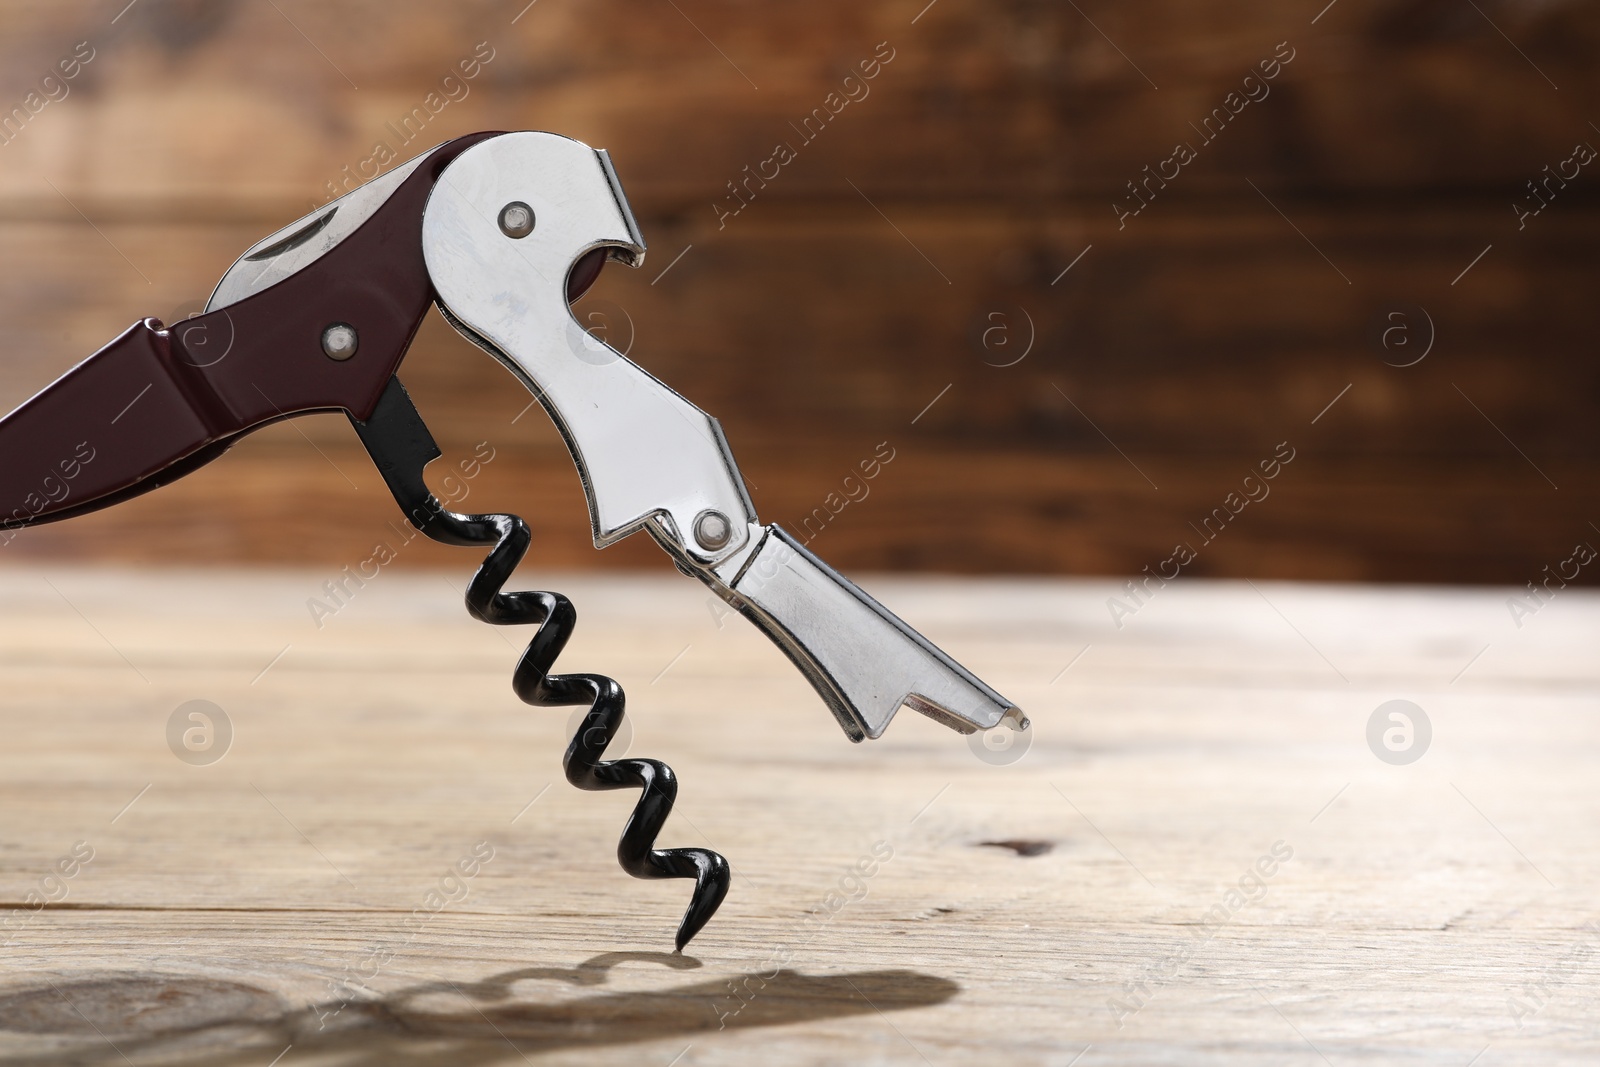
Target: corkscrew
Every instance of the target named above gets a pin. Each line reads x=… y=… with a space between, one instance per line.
x=500 y=231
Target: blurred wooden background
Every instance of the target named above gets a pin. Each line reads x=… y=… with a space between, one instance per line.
x=902 y=259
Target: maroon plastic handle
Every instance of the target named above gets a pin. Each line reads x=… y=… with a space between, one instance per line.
x=155 y=404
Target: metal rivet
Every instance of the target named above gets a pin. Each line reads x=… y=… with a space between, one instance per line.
x=713 y=530
x=516 y=220
x=339 y=341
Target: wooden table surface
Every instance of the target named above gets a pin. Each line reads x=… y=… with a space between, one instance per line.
x=902 y=901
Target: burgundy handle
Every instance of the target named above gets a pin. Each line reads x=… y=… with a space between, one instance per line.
x=155 y=404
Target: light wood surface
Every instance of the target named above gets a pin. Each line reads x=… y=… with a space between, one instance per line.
x=232 y=912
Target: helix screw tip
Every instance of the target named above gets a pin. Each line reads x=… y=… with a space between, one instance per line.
x=712 y=878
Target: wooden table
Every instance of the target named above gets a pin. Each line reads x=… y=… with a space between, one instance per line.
x=294 y=899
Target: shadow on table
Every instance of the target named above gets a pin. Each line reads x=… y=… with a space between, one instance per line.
x=118 y=1018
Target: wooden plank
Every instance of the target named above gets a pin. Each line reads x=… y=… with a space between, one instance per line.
x=1169 y=333
x=228 y=908
x=280 y=499
x=251 y=101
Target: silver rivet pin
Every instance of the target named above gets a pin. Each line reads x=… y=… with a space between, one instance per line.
x=339 y=341
x=713 y=530
x=516 y=220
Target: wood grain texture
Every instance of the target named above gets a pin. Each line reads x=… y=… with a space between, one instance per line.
x=1008 y=913
x=921 y=241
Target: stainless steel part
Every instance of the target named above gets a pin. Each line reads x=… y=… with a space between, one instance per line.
x=643 y=452
x=516 y=220
x=340 y=341
x=712 y=530
x=302 y=242
x=862 y=659
x=648 y=458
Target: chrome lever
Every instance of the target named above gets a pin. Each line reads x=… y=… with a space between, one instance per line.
x=862 y=659
x=506 y=221
x=642 y=451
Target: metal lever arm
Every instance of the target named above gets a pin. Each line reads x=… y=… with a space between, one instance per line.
x=642 y=451
x=648 y=458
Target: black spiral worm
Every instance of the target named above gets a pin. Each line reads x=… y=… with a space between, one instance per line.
x=401 y=446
